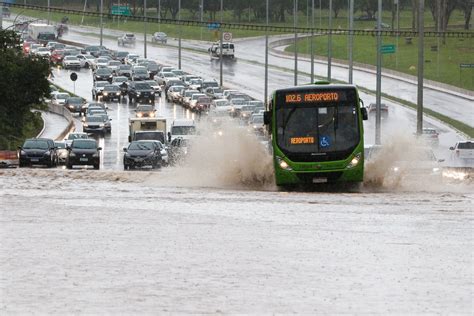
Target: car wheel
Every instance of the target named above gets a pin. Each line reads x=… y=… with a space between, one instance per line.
x=21 y=165
x=96 y=167
x=86 y=65
x=68 y=166
x=126 y=167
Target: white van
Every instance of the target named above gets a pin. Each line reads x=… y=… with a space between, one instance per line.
x=185 y=128
x=228 y=50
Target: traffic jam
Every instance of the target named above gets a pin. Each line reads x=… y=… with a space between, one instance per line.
x=123 y=78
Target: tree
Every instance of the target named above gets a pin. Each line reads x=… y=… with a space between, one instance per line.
x=466 y=7
x=338 y=5
x=23 y=85
x=368 y=6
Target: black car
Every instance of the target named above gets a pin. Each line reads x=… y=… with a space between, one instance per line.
x=121 y=56
x=83 y=152
x=140 y=74
x=103 y=74
x=141 y=92
x=142 y=153
x=97 y=89
x=111 y=92
x=38 y=151
x=76 y=105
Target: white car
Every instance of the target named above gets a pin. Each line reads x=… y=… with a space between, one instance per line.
x=43 y=52
x=221 y=105
x=155 y=85
x=463 y=151
x=87 y=61
x=71 y=62
x=159 y=37
x=114 y=65
x=59 y=98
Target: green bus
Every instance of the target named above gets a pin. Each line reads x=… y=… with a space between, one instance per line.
x=317 y=134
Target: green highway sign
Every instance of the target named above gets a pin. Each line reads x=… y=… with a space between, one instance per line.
x=466 y=65
x=388 y=49
x=121 y=10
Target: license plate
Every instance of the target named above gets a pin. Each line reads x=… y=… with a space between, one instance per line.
x=320 y=180
x=83 y=159
x=34 y=159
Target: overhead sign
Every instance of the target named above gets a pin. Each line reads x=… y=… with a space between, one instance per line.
x=213 y=26
x=388 y=49
x=227 y=36
x=466 y=65
x=121 y=10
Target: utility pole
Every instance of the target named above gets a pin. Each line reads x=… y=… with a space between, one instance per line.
x=378 y=92
x=145 y=29
x=421 y=34
x=312 y=41
x=397 y=2
x=201 y=11
x=265 y=96
x=295 y=18
x=330 y=41
x=101 y=22
x=351 y=39
x=179 y=37
x=159 y=15
x=221 y=72
x=49 y=12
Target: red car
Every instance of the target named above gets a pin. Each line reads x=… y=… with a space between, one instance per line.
x=26 y=47
x=57 y=56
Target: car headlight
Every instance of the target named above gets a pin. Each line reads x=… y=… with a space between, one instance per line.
x=71 y=154
x=220 y=133
x=139 y=114
x=435 y=170
x=152 y=114
x=71 y=106
x=22 y=153
x=152 y=93
x=283 y=164
x=102 y=125
x=355 y=161
x=139 y=93
x=85 y=125
x=396 y=169
x=105 y=94
x=95 y=155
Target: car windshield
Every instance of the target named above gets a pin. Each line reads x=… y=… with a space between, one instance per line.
x=62 y=96
x=74 y=100
x=204 y=100
x=141 y=72
x=257 y=119
x=466 y=145
x=150 y=136
x=142 y=86
x=120 y=79
x=111 y=88
x=102 y=60
x=144 y=108
x=221 y=103
x=60 y=145
x=94 y=119
x=141 y=146
x=77 y=136
x=114 y=63
x=183 y=130
x=101 y=84
x=84 y=144
x=122 y=54
x=35 y=144
x=197 y=96
x=176 y=88
x=71 y=58
x=104 y=71
x=151 y=82
x=317 y=128
x=125 y=67
x=248 y=108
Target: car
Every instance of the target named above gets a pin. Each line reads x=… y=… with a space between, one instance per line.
x=111 y=92
x=256 y=123
x=140 y=74
x=246 y=111
x=107 y=120
x=184 y=128
x=221 y=105
x=127 y=39
x=228 y=50
x=214 y=92
x=202 y=104
x=87 y=61
x=152 y=68
x=430 y=136
x=238 y=95
x=57 y=56
x=155 y=86
x=414 y=163
x=102 y=62
x=186 y=97
x=131 y=58
x=75 y=135
x=178 y=73
x=122 y=83
x=59 y=98
x=125 y=70
x=38 y=151
x=76 y=105
x=94 y=124
x=161 y=77
x=141 y=92
x=94 y=110
x=187 y=78
x=98 y=88
x=71 y=62
x=103 y=74
x=149 y=135
x=142 y=153
x=173 y=93
x=159 y=37
x=372 y=109
x=195 y=84
x=463 y=151
x=194 y=99
x=61 y=151
x=121 y=56
x=114 y=66
x=43 y=52
x=83 y=152
x=237 y=105
x=92 y=50
x=145 y=110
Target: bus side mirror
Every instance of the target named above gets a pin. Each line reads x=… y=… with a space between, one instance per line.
x=365 y=116
x=267 y=117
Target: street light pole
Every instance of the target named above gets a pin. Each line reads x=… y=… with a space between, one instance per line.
x=330 y=41
x=378 y=92
x=179 y=37
x=201 y=10
x=49 y=12
x=101 y=22
x=421 y=34
x=145 y=29
x=265 y=96
x=159 y=15
x=351 y=39
x=295 y=14
x=221 y=72
x=312 y=41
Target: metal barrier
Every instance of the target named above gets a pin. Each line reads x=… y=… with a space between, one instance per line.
x=61 y=110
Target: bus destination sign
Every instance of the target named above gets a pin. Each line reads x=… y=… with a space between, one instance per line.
x=312 y=97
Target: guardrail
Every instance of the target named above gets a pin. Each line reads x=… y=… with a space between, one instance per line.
x=61 y=110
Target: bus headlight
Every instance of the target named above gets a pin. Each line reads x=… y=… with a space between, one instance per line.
x=355 y=161
x=283 y=164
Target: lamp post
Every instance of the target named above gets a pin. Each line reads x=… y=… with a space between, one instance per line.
x=101 y=23
x=295 y=14
x=159 y=15
x=49 y=12
x=312 y=41
x=179 y=38
x=351 y=39
x=378 y=91
x=145 y=28
x=265 y=96
x=201 y=10
x=421 y=34
x=330 y=41
x=221 y=72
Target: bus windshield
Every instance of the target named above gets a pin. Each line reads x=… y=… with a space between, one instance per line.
x=311 y=126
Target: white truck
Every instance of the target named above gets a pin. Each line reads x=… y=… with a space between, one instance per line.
x=42 y=33
x=147 y=124
x=184 y=128
x=228 y=50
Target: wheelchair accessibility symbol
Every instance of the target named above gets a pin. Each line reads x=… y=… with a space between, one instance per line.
x=324 y=141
